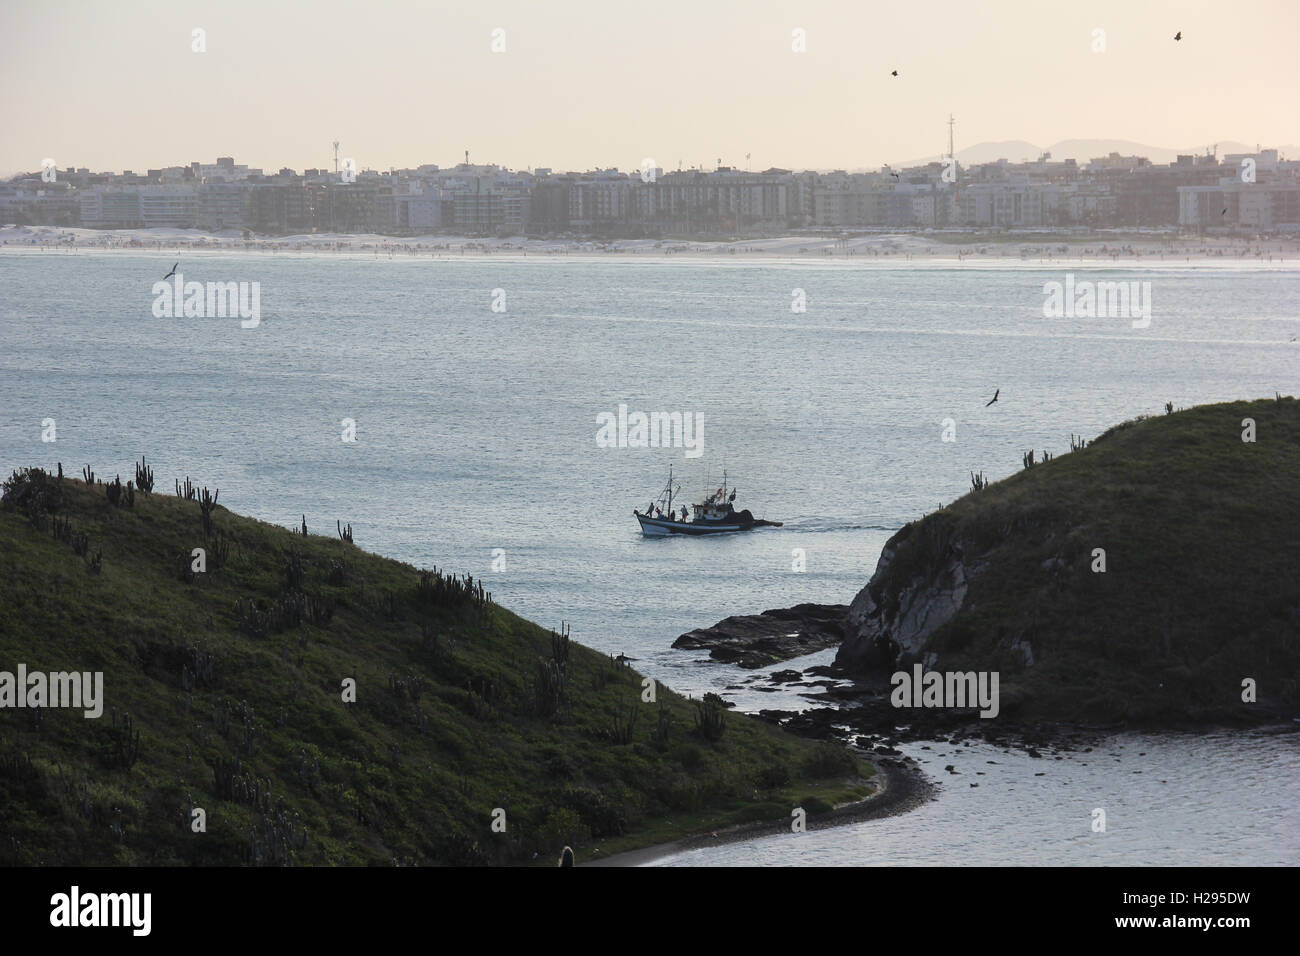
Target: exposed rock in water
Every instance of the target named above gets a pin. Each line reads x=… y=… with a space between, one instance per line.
x=756 y=640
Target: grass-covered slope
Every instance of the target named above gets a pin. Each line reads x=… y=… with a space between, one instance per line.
x=1201 y=587
x=233 y=683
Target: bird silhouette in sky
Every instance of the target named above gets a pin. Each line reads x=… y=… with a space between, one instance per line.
x=895 y=73
x=994 y=398
x=1178 y=35
x=1225 y=211
x=172 y=273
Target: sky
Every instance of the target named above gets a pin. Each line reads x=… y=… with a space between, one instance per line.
x=116 y=84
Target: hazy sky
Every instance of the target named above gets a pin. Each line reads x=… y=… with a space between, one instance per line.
x=584 y=84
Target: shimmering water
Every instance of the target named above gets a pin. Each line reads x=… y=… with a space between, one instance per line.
x=476 y=429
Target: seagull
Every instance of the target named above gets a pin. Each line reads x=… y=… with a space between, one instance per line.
x=895 y=73
x=1178 y=35
x=996 y=393
x=1225 y=211
x=172 y=273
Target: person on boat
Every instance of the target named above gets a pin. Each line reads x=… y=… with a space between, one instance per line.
x=683 y=513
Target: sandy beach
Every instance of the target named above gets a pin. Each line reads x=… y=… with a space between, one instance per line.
x=946 y=248
x=900 y=788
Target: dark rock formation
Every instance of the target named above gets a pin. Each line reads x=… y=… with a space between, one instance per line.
x=756 y=640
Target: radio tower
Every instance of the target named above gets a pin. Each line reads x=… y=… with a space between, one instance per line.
x=950 y=122
x=336 y=156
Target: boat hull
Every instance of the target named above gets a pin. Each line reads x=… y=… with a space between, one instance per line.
x=661 y=527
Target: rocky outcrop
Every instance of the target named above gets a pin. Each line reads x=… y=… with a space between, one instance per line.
x=890 y=620
x=756 y=640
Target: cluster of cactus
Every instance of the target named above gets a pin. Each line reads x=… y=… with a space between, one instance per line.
x=291 y=609
x=119 y=495
x=977 y=481
x=188 y=491
x=206 y=503
x=125 y=742
x=710 y=717
x=94 y=560
x=413 y=686
x=61 y=528
x=337 y=573
x=1169 y=408
x=252 y=730
x=19 y=768
x=304 y=526
x=87 y=475
x=1077 y=444
x=231 y=783
x=345 y=534
x=1028 y=459
x=204 y=665
x=295 y=572
x=276 y=839
x=221 y=717
x=478 y=703
x=548 y=687
x=624 y=723
x=447 y=590
x=144 y=477
x=309 y=773
x=218 y=551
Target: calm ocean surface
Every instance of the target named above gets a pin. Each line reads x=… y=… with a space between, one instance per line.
x=476 y=430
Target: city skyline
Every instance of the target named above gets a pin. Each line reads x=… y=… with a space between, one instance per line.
x=598 y=87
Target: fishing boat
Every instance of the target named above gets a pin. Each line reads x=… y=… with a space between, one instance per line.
x=716 y=514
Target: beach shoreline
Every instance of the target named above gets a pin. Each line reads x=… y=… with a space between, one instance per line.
x=856 y=249
x=903 y=788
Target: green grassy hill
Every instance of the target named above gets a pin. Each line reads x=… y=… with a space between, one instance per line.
x=1201 y=588
x=224 y=691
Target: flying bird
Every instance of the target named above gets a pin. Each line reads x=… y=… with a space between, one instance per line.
x=994 y=398
x=895 y=73
x=172 y=273
x=1178 y=35
x=1225 y=211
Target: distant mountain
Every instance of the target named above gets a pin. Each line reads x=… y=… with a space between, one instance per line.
x=1082 y=150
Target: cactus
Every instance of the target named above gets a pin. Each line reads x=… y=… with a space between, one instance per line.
x=88 y=475
x=624 y=724
x=206 y=504
x=126 y=742
x=1028 y=459
x=345 y=534
x=1169 y=408
x=710 y=717
x=144 y=477
x=978 y=482
x=560 y=645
